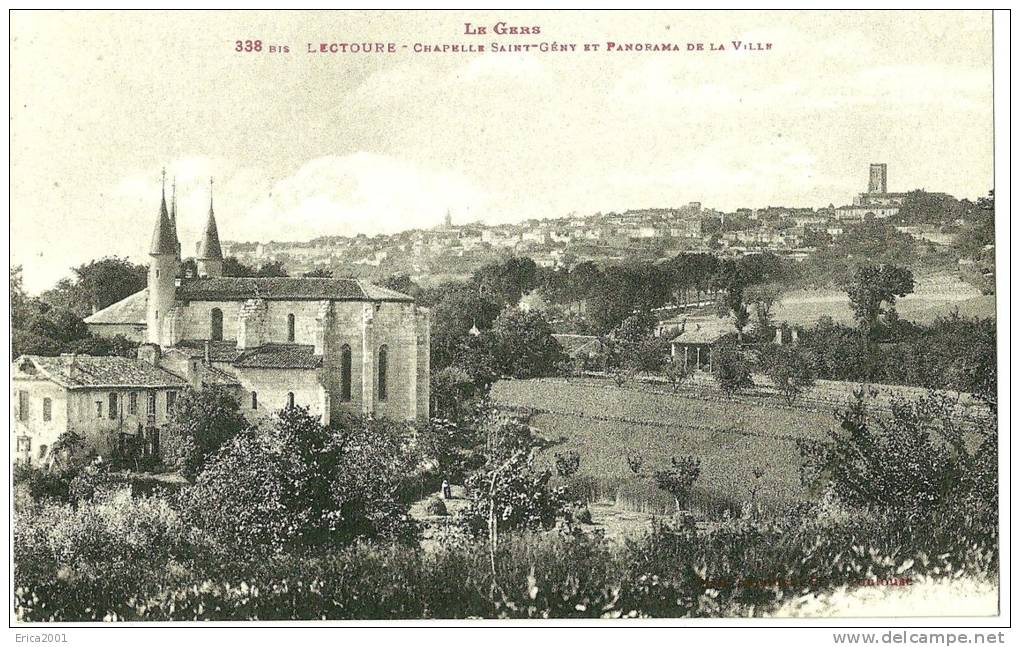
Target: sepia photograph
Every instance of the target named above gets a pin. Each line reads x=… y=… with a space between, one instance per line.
x=490 y=317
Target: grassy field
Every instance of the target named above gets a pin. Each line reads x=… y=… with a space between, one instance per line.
x=605 y=424
x=933 y=295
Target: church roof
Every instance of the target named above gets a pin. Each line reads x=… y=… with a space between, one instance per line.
x=87 y=371
x=279 y=356
x=164 y=240
x=219 y=351
x=209 y=246
x=273 y=355
x=284 y=289
x=129 y=310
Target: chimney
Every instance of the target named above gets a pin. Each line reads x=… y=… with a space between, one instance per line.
x=72 y=364
x=150 y=353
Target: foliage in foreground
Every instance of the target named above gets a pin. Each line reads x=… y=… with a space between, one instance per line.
x=742 y=567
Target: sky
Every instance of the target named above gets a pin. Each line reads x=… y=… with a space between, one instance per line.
x=304 y=145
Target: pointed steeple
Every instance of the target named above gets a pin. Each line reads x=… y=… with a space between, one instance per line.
x=163 y=239
x=209 y=246
x=173 y=217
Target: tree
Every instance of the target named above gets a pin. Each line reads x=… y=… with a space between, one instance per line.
x=522 y=346
x=679 y=479
x=200 y=423
x=763 y=299
x=638 y=327
x=319 y=273
x=504 y=283
x=509 y=492
x=292 y=481
x=96 y=285
x=646 y=356
x=272 y=269
x=676 y=373
x=456 y=308
x=402 y=283
x=870 y=287
x=234 y=267
x=790 y=369
x=729 y=367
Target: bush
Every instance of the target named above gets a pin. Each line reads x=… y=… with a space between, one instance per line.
x=730 y=369
x=915 y=457
x=114 y=528
x=38 y=485
x=740 y=568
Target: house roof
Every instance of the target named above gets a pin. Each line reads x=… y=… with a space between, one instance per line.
x=217 y=377
x=575 y=343
x=285 y=288
x=87 y=371
x=219 y=351
x=705 y=331
x=130 y=310
x=279 y=356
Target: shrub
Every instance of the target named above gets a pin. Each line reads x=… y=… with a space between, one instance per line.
x=916 y=456
x=115 y=528
x=38 y=484
x=567 y=463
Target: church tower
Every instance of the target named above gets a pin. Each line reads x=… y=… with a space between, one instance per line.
x=162 y=273
x=210 y=256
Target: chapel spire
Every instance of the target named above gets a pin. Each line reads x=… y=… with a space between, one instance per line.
x=173 y=218
x=210 y=254
x=164 y=241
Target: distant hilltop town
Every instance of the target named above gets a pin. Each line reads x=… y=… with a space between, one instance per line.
x=451 y=249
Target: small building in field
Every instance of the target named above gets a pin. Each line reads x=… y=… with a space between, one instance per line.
x=583 y=347
x=694 y=344
x=106 y=400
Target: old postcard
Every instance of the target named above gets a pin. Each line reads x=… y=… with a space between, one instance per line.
x=501 y=315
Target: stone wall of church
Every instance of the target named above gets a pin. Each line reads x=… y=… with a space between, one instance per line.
x=364 y=327
x=272 y=387
x=197 y=319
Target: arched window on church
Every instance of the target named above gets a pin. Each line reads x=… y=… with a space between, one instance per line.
x=290 y=399
x=345 y=373
x=217 y=324
x=290 y=327
x=381 y=374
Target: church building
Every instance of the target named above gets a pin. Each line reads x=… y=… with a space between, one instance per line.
x=331 y=345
